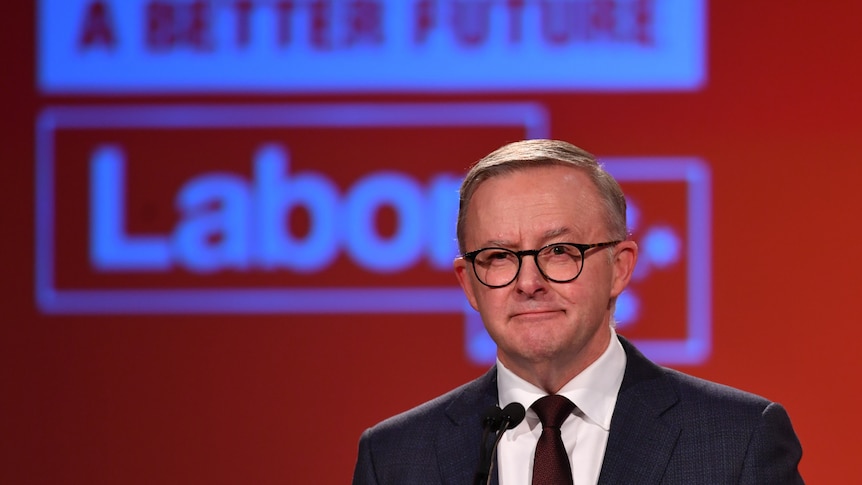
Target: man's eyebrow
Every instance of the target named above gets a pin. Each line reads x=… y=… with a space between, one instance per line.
x=497 y=243
x=547 y=235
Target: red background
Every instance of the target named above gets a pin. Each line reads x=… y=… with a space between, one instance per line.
x=275 y=399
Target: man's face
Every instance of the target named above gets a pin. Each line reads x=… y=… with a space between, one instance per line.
x=534 y=321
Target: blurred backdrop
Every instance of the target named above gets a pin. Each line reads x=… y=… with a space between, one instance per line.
x=230 y=223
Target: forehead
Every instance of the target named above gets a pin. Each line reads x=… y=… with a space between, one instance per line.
x=532 y=201
x=570 y=182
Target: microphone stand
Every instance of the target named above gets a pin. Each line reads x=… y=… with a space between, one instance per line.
x=504 y=419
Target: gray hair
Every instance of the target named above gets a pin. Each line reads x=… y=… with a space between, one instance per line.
x=537 y=153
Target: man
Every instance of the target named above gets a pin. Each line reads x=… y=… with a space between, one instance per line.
x=542 y=234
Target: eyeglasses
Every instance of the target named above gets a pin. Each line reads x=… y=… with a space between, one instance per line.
x=558 y=262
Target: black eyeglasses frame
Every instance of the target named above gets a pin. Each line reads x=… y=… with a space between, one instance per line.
x=583 y=248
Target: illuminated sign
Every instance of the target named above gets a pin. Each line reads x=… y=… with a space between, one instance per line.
x=250 y=220
x=230 y=222
x=300 y=209
x=301 y=46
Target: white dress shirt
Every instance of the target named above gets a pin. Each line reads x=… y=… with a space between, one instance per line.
x=585 y=433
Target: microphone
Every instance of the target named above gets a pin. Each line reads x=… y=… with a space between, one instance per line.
x=491 y=419
x=500 y=420
x=512 y=415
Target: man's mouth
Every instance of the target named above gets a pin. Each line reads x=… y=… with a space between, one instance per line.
x=534 y=313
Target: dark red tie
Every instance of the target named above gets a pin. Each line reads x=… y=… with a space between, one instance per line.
x=551 y=465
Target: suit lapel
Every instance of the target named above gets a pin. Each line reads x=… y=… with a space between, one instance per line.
x=458 y=445
x=640 y=443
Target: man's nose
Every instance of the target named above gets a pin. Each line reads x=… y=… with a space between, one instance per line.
x=530 y=280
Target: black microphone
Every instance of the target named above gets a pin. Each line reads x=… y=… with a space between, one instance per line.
x=512 y=415
x=491 y=419
x=501 y=420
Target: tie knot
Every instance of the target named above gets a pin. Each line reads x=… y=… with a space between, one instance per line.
x=553 y=410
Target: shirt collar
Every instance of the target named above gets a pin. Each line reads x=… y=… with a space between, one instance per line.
x=594 y=391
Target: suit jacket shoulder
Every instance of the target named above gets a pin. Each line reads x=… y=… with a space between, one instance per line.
x=670 y=427
x=436 y=442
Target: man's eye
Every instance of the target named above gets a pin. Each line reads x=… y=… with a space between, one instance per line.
x=561 y=249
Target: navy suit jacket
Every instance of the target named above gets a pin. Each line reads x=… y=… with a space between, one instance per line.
x=667 y=428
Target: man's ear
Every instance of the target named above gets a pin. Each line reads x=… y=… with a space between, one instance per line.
x=625 y=258
x=465 y=279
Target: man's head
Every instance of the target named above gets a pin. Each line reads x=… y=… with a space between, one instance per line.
x=544 y=194
x=534 y=153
